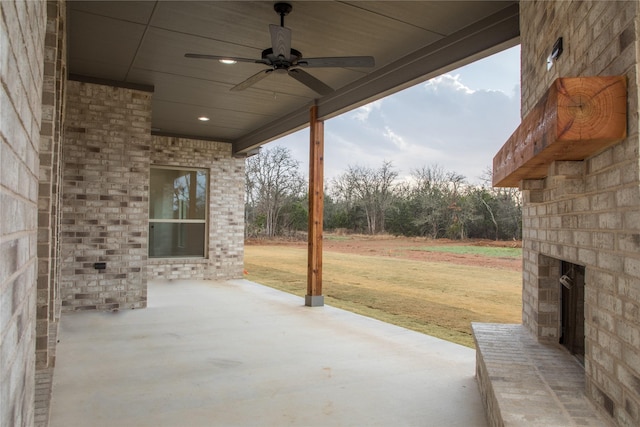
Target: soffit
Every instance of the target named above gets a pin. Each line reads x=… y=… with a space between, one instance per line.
x=145 y=42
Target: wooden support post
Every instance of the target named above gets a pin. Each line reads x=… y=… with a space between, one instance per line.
x=314 y=296
x=576 y=118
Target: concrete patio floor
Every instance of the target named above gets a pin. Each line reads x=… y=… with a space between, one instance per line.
x=240 y=354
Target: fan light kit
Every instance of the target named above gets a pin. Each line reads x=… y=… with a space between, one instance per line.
x=280 y=57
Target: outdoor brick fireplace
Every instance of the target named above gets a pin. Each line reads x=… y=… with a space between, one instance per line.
x=580 y=292
x=580 y=313
x=575 y=359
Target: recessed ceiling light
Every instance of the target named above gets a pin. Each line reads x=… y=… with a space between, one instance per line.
x=203 y=119
x=228 y=61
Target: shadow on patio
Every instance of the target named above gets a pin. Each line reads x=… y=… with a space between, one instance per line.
x=237 y=353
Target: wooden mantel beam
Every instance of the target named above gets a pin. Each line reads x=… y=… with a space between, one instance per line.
x=314 y=295
x=576 y=118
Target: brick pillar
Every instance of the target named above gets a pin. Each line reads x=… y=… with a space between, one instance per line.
x=48 y=194
x=105 y=209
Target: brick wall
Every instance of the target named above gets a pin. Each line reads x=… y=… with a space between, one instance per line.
x=108 y=150
x=226 y=208
x=22 y=28
x=587 y=212
x=49 y=174
x=105 y=197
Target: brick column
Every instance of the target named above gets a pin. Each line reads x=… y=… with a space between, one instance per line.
x=105 y=197
x=48 y=194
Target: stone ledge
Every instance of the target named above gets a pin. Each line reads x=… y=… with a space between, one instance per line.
x=524 y=382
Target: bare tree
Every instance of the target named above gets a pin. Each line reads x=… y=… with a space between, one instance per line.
x=504 y=206
x=372 y=189
x=442 y=209
x=272 y=179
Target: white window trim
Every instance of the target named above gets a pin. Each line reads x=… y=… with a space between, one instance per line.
x=204 y=221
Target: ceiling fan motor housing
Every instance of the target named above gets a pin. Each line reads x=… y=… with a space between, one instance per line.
x=280 y=57
x=282 y=9
x=279 y=63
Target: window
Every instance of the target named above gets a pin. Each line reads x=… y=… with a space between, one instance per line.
x=177 y=212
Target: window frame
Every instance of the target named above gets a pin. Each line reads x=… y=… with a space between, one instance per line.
x=205 y=220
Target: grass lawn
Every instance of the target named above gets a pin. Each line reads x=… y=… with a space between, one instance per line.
x=439 y=299
x=473 y=250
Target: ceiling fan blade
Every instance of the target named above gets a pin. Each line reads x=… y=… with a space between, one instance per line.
x=251 y=80
x=222 y=58
x=280 y=41
x=339 y=61
x=310 y=81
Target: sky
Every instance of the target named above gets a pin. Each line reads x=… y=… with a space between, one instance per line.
x=457 y=121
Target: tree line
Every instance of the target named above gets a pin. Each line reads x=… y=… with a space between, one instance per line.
x=431 y=202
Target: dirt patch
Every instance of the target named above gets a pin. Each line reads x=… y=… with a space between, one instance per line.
x=407 y=248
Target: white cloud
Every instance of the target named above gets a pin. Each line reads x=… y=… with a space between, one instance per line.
x=448 y=81
x=498 y=72
x=446 y=120
x=362 y=113
x=396 y=139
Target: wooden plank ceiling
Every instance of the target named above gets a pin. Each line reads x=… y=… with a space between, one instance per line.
x=144 y=43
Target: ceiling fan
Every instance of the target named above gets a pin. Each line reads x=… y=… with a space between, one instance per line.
x=281 y=58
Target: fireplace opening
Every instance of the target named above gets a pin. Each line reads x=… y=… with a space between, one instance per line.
x=572 y=309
